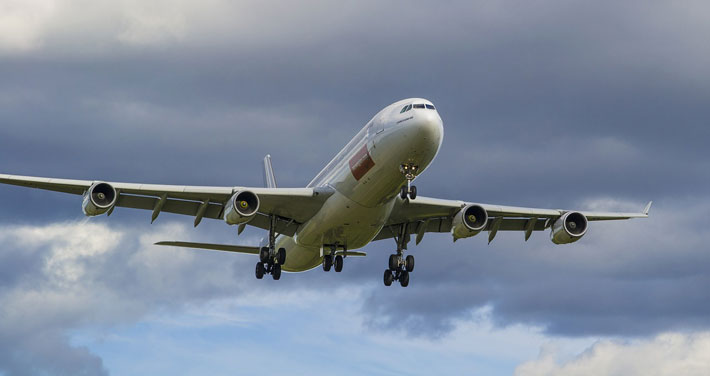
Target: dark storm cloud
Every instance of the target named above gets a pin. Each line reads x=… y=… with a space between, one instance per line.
x=631 y=278
x=544 y=104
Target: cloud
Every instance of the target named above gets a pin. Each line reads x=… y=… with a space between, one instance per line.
x=71 y=275
x=564 y=104
x=666 y=354
x=630 y=278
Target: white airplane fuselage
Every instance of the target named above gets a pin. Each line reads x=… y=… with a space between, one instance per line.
x=366 y=178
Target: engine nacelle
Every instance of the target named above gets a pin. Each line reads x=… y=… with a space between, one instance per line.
x=569 y=228
x=98 y=199
x=241 y=208
x=471 y=220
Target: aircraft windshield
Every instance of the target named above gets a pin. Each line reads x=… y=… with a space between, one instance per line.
x=417 y=105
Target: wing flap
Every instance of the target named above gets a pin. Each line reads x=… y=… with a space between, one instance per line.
x=291 y=206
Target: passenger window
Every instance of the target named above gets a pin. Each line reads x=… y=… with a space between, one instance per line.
x=430 y=107
x=418 y=106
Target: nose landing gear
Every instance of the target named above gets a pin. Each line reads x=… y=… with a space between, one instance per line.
x=410 y=172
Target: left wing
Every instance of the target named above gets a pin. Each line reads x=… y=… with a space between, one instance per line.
x=291 y=206
x=425 y=214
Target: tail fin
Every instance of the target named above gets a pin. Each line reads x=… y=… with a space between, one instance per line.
x=269 y=178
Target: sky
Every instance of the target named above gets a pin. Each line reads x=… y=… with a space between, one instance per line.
x=556 y=104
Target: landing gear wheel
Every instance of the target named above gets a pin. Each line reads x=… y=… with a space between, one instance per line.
x=264 y=254
x=281 y=256
x=409 y=263
x=404 y=278
x=403 y=193
x=388 y=277
x=413 y=192
x=260 y=270
x=338 y=263
x=327 y=262
x=394 y=262
x=276 y=272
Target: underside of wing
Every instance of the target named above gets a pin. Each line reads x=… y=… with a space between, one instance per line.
x=465 y=219
x=289 y=206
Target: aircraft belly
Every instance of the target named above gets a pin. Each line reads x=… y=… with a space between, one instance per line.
x=344 y=222
x=299 y=258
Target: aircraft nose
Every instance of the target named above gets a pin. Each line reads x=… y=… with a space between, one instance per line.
x=429 y=126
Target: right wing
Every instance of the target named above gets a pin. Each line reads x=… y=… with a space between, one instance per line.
x=291 y=206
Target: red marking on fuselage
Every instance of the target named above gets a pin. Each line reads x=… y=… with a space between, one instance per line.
x=361 y=163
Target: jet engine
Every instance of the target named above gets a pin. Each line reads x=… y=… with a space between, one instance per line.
x=471 y=220
x=569 y=228
x=241 y=208
x=98 y=199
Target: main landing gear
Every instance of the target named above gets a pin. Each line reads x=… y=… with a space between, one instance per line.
x=410 y=172
x=333 y=259
x=399 y=267
x=270 y=259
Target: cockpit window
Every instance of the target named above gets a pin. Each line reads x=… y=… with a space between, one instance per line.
x=431 y=107
x=406 y=108
x=419 y=105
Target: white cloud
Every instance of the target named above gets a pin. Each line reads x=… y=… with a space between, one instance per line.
x=667 y=354
x=22 y=23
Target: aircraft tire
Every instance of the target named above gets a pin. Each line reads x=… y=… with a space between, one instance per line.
x=260 y=270
x=327 y=262
x=409 y=263
x=388 y=277
x=404 y=278
x=393 y=264
x=338 y=263
x=413 y=192
x=403 y=193
x=264 y=254
x=276 y=272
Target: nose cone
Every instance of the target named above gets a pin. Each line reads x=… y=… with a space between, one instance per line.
x=429 y=127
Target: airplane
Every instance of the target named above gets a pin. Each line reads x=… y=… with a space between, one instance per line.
x=364 y=194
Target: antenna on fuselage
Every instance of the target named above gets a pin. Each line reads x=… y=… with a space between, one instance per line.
x=269 y=178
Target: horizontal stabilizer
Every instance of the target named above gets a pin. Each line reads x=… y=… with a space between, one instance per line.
x=351 y=253
x=214 y=247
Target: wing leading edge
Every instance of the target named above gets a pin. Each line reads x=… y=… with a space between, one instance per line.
x=427 y=214
x=291 y=206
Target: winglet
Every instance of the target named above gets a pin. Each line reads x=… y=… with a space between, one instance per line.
x=647 y=208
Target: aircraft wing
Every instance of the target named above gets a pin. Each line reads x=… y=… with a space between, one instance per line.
x=425 y=214
x=291 y=206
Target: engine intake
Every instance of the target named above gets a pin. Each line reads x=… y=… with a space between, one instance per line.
x=471 y=220
x=569 y=228
x=98 y=199
x=241 y=208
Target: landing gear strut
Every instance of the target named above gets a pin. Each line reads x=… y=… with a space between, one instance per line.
x=399 y=267
x=410 y=172
x=333 y=259
x=271 y=259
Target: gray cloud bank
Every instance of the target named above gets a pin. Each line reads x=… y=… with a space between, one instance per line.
x=553 y=104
